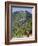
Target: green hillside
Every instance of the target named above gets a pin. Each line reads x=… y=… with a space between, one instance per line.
x=22 y=25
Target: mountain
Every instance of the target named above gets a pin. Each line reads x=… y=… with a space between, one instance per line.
x=21 y=22
x=21 y=16
x=16 y=12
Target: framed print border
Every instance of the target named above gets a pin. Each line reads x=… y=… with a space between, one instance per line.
x=7 y=22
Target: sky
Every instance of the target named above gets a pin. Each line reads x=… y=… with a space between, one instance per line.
x=21 y=9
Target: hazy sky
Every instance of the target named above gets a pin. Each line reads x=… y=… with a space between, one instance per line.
x=21 y=9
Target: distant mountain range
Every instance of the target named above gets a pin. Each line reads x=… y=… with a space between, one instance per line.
x=16 y=12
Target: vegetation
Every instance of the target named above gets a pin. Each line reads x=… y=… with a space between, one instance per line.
x=21 y=24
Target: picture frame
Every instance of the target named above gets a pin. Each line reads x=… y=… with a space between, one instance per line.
x=26 y=29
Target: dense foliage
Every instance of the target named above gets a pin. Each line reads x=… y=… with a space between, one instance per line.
x=21 y=24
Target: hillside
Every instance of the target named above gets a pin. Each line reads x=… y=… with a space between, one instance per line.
x=21 y=23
